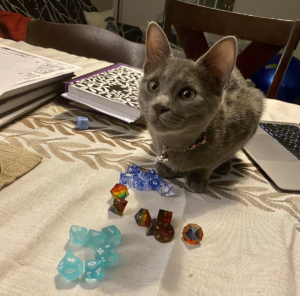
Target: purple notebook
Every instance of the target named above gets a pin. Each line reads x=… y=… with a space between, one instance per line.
x=119 y=83
x=112 y=90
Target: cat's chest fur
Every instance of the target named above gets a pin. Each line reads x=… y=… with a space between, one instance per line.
x=232 y=126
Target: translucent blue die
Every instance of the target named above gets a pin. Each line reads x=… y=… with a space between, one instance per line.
x=113 y=234
x=107 y=253
x=94 y=269
x=140 y=183
x=94 y=238
x=154 y=183
x=78 y=234
x=126 y=179
x=165 y=188
x=134 y=170
x=82 y=123
x=150 y=174
x=71 y=267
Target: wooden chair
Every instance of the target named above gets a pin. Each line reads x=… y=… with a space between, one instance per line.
x=268 y=36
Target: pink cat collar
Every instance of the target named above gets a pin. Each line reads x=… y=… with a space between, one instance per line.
x=163 y=157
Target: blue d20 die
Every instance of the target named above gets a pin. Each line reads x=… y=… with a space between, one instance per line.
x=134 y=170
x=150 y=174
x=94 y=269
x=165 y=188
x=70 y=266
x=94 y=238
x=126 y=179
x=78 y=234
x=112 y=234
x=154 y=183
x=82 y=123
x=107 y=253
x=140 y=183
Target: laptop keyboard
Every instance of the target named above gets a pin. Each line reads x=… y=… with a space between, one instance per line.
x=288 y=135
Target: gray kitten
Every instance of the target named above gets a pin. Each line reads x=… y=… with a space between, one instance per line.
x=199 y=114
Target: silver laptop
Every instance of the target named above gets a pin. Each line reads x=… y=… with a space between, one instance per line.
x=275 y=147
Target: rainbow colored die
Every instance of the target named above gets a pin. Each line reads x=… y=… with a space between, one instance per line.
x=120 y=191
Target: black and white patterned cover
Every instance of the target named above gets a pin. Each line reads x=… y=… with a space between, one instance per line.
x=119 y=83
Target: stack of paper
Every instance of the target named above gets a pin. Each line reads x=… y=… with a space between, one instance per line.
x=26 y=78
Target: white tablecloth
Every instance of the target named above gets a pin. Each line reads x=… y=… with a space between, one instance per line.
x=251 y=234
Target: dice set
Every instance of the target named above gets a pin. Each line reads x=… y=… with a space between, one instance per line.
x=160 y=227
x=134 y=177
x=103 y=243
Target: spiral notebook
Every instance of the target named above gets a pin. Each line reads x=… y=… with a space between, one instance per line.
x=112 y=90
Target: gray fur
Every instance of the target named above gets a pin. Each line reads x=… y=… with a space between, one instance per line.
x=224 y=106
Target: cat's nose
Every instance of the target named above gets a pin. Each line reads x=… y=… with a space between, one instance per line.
x=160 y=109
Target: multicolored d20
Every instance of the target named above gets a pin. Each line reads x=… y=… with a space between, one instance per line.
x=142 y=217
x=192 y=234
x=120 y=191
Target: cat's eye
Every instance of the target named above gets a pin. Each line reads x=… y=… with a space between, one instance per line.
x=187 y=94
x=153 y=86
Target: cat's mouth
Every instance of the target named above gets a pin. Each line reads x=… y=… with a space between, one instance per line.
x=166 y=122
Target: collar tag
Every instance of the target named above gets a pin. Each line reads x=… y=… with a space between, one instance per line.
x=164 y=156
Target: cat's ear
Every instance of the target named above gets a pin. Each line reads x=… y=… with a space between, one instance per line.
x=157 y=47
x=219 y=61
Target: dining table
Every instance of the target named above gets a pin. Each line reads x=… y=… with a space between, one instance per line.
x=251 y=232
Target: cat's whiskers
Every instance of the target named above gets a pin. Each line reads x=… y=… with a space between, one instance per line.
x=171 y=122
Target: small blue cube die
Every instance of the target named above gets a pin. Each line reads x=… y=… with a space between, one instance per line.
x=82 y=123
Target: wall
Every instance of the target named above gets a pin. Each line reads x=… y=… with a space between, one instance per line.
x=282 y=9
x=103 y=5
x=139 y=12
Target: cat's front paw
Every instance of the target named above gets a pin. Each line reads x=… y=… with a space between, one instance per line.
x=224 y=168
x=164 y=171
x=196 y=182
